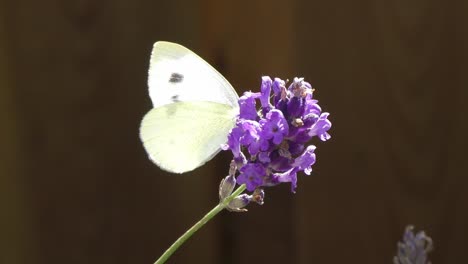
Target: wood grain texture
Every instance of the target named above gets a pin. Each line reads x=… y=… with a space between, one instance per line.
x=15 y=223
x=253 y=44
x=80 y=70
x=80 y=188
x=392 y=75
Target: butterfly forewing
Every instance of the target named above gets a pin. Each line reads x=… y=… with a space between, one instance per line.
x=177 y=74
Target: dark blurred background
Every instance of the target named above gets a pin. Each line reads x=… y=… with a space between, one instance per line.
x=76 y=185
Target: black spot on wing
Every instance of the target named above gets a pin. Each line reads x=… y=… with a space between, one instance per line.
x=176 y=78
x=175 y=98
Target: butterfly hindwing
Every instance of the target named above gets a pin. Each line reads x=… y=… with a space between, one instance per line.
x=182 y=136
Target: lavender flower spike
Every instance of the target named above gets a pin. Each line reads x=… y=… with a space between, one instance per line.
x=270 y=141
x=414 y=248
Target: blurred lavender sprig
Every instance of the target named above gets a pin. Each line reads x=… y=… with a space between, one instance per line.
x=414 y=248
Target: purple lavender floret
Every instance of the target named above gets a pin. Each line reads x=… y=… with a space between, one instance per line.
x=269 y=141
x=414 y=248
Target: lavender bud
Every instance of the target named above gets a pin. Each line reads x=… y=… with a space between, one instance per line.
x=238 y=203
x=258 y=195
x=295 y=107
x=232 y=168
x=226 y=187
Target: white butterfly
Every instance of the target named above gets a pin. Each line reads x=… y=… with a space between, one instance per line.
x=194 y=109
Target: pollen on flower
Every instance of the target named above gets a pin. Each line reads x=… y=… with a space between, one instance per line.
x=270 y=141
x=297 y=122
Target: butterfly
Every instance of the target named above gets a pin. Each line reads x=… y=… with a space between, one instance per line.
x=194 y=108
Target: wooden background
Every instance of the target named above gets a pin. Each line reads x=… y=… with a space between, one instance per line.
x=76 y=185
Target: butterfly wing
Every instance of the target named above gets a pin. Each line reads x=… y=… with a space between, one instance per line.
x=182 y=136
x=194 y=109
x=176 y=74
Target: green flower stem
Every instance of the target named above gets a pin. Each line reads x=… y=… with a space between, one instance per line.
x=198 y=225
